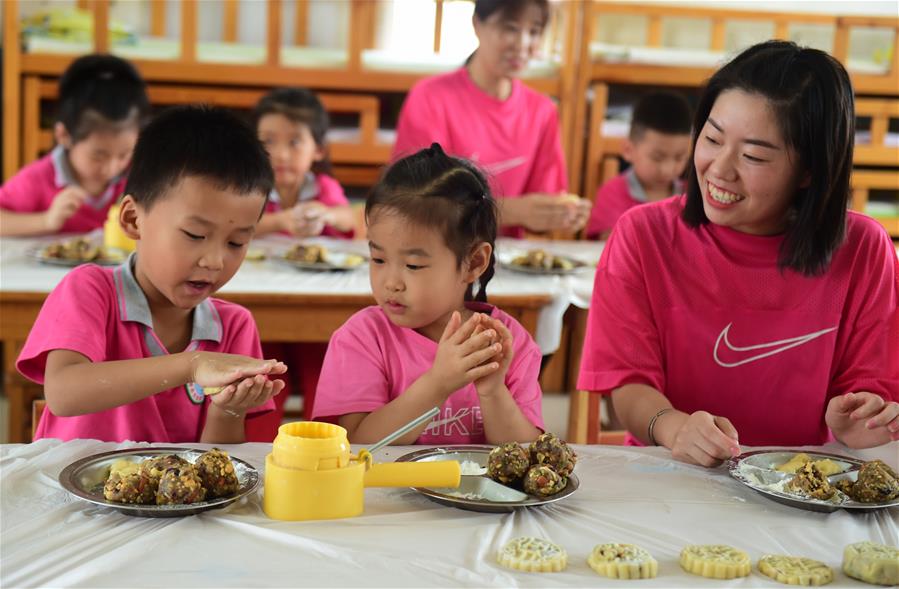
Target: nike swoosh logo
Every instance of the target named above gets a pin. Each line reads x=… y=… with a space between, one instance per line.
x=771 y=347
x=504 y=166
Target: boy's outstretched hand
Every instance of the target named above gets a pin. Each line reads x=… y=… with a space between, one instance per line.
x=863 y=419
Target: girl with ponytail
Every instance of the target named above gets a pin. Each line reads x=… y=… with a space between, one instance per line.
x=432 y=339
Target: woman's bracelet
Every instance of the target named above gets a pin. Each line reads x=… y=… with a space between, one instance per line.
x=652 y=425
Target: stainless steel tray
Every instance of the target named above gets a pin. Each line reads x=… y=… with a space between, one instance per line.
x=337 y=262
x=477 y=492
x=85 y=479
x=757 y=470
x=114 y=256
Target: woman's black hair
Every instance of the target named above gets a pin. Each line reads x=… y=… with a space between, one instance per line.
x=300 y=106
x=483 y=9
x=811 y=97
x=432 y=189
x=100 y=92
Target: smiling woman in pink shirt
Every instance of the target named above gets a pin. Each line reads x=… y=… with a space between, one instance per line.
x=483 y=113
x=754 y=310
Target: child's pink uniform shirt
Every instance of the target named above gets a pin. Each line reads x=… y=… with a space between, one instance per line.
x=515 y=141
x=370 y=362
x=103 y=314
x=705 y=316
x=616 y=196
x=317 y=187
x=33 y=189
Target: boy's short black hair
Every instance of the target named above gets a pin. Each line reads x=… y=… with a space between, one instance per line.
x=664 y=112
x=202 y=141
x=98 y=92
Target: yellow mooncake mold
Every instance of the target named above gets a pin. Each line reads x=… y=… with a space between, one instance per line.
x=533 y=555
x=715 y=561
x=795 y=570
x=623 y=561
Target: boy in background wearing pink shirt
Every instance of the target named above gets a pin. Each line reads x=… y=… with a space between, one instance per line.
x=102 y=103
x=755 y=309
x=126 y=353
x=306 y=201
x=482 y=112
x=657 y=148
x=430 y=342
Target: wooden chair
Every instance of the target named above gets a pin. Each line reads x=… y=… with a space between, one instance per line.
x=584 y=425
x=37 y=409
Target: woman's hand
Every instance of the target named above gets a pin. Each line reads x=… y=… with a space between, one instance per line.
x=703 y=438
x=863 y=419
x=541 y=213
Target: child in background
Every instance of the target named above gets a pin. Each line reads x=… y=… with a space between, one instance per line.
x=657 y=148
x=102 y=102
x=429 y=342
x=306 y=201
x=125 y=353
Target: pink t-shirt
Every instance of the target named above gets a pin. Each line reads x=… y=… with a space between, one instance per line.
x=370 y=361
x=37 y=184
x=103 y=314
x=616 y=196
x=705 y=316
x=318 y=187
x=515 y=141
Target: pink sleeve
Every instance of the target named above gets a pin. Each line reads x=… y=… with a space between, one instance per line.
x=607 y=207
x=523 y=378
x=419 y=125
x=353 y=377
x=622 y=343
x=548 y=173
x=243 y=339
x=870 y=341
x=330 y=194
x=20 y=193
x=74 y=317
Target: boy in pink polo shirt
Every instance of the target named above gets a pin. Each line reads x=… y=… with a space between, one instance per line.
x=754 y=310
x=102 y=103
x=430 y=341
x=135 y=352
x=657 y=148
x=482 y=112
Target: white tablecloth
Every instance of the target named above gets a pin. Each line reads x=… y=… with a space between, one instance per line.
x=50 y=538
x=20 y=272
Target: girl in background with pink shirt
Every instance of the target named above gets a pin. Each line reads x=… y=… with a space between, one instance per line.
x=431 y=341
x=484 y=113
x=306 y=201
x=755 y=309
x=102 y=102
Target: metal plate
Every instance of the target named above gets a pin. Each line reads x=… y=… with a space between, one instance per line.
x=114 y=256
x=505 y=261
x=85 y=479
x=337 y=262
x=757 y=470
x=484 y=494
